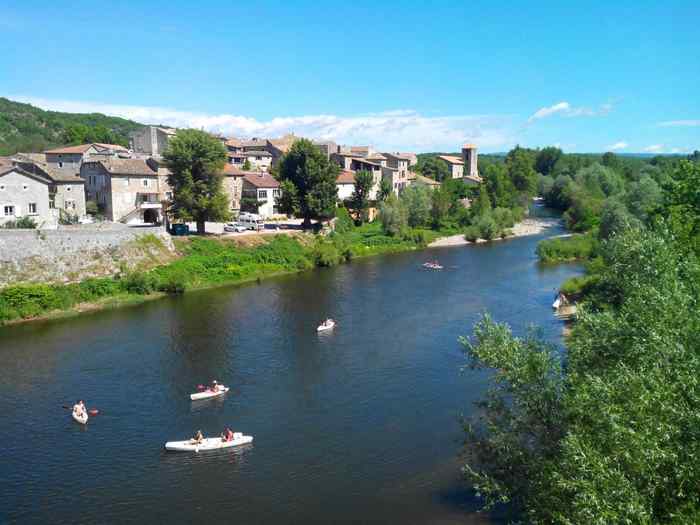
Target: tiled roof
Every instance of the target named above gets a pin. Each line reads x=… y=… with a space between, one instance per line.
x=115 y=147
x=451 y=159
x=9 y=168
x=420 y=179
x=82 y=148
x=116 y=166
x=45 y=170
x=365 y=161
x=474 y=178
x=261 y=180
x=345 y=177
x=234 y=171
x=401 y=156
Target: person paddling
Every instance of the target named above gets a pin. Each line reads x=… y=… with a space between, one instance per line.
x=214 y=386
x=198 y=437
x=227 y=435
x=79 y=408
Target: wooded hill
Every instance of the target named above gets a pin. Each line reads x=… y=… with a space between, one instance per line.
x=24 y=127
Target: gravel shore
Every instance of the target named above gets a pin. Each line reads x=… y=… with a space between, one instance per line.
x=530 y=226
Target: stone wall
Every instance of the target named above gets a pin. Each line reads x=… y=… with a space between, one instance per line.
x=74 y=254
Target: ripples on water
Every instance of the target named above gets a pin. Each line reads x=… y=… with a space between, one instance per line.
x=354 y=425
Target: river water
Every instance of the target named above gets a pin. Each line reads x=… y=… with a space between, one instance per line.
x=359 y=425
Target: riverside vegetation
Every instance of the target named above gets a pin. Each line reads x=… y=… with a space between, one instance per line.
x=607 y=434
x=207 y=262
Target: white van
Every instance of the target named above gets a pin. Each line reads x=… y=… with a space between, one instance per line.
x=251 y=221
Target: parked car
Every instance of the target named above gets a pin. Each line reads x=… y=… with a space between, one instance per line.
x=234 y=227
x=179 y=229
x=251 y=221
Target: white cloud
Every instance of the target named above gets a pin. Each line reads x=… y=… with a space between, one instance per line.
x=654 y=148
x=567 y=110
x=560 y=107
x=397 y=130
x=617 y=146
x=679 y=123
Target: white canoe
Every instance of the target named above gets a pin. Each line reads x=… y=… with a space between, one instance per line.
x=82 y=418
x=208 y=443
x=323 y=327
x=206 y=394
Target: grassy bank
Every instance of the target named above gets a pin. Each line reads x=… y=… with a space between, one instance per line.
x=204 y=263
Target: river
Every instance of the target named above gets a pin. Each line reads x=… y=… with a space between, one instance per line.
x=359 y=425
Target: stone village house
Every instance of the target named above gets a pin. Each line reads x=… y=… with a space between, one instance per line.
x=127 y=190
x=66 y=189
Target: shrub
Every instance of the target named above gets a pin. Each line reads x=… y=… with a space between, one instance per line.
x=139 y=283
x=488 y=229
x=566 y=248
x=343 y=222
x=173 y=284
x=325 y=253
x=471 y=233
x=25 y=223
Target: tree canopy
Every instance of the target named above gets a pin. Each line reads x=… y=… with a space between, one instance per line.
x=313 y=176
x=196 y=161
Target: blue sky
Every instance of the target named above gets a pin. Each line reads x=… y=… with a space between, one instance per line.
x=419 y=76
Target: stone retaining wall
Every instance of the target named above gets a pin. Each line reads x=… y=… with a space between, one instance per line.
x=74 y=254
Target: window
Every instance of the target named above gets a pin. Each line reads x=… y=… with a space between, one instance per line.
x=9 y=211
x=258 y=158
x=169 y=195
x=262 y=194
x=25 y=187
x=276 y=192
x=145 y=183
x=70 y=205
x=68 y=188
x=32 y=208
x=2 y=187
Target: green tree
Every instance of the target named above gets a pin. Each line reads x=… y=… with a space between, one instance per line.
x=615 y=219
x=499 y=185
x=611 y=438
x=359 y=200
x=643 y=198
x=246 y=165
x=519 y=163
x=433 y=168
x=384 y=190
x=416 y=200
x=288 y=201
x=313 y=176
x=682 y=205
x=441 y=204
x=196 y=160
x=546 y=159
x=392 y=213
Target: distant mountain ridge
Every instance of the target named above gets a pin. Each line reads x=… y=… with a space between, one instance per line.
x=26 y=128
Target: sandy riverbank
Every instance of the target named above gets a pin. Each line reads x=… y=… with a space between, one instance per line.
x=530 y=226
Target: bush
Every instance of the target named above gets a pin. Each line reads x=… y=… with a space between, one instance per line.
x=23 y=223
x=471 y=233
x=343 y=222
x=173 y=284
x=326 y=254
x=576 y=286
x=566 y=248
x=139 y=283
x=488 y=229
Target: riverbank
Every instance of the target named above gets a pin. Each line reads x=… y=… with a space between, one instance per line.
x=529 y=226
x=208 y=263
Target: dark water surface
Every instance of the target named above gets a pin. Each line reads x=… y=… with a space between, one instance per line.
x=354 y=426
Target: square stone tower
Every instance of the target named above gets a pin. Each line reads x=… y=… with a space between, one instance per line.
x=469 y=156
